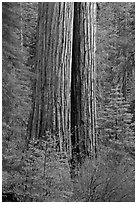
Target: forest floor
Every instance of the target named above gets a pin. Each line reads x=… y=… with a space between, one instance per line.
x=111 y=178
x=61 y=188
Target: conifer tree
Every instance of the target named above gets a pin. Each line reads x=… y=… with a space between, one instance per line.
x=115 y=120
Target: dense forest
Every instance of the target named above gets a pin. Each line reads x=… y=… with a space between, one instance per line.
x=68 y=102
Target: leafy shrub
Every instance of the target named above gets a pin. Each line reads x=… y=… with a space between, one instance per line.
x=40 y=174
x=105 y=180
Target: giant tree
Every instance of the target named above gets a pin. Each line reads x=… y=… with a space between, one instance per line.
x=64 y=97
x=51 y=97
x=83 y=85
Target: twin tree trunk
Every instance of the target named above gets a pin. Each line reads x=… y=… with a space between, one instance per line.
x=64 y=96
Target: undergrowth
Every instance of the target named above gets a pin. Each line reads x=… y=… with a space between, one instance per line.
x=41 y=174
x=108 y=179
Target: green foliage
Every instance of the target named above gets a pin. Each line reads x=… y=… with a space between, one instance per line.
x=116 y=47
x=103 y=181
x=115 y=120
x=41 y=173
x=16 y=96
x=38 y=175
x=9 y=54
x=29 y=26
x=16 y=82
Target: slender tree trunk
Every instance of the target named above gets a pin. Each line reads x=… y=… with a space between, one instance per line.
x=94 y=83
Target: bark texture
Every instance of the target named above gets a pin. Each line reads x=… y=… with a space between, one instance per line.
x=83 y=86
x=65 y=89
x=51 y=105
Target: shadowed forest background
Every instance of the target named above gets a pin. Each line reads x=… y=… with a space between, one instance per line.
x=68 y=102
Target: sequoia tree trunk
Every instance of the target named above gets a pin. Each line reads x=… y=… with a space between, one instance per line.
x=51 y=100
x=83 y=85
x=64 y=99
